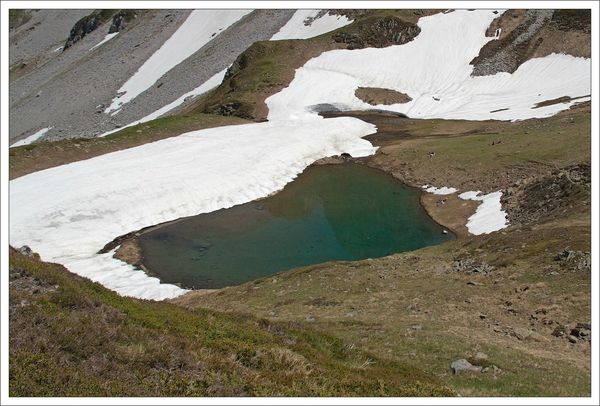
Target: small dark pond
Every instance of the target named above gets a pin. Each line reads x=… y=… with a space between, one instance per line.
x=330 y=212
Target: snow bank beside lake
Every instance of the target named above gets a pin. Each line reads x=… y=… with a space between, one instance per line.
x=68 y=213
x=434 y=70
x=444 y=190
x=308 y=23
x=489 y=216
x=195 y=32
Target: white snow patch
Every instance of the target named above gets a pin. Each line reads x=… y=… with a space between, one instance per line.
x=33 y=137
x=439 y=191
x=107 y=38
x=193 y=34
x=489 y=216
x=68 y=213
x=296 y=28
x=435 y=65
x=210 y=84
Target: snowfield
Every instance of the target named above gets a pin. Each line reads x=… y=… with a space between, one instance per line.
x=68 y=213
x=300 y=25
x=433 y=69
x=195 y=32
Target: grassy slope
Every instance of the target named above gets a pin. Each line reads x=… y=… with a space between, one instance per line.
x=466 y=159
x=410 y=308
x=38 y=156
x=71 y=337
x=407 y=307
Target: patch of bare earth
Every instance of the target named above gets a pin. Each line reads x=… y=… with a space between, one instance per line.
x=449 y=211
x=378 y=95
x=558 y=100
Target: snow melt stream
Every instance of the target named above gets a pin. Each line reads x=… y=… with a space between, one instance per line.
x=70 y=212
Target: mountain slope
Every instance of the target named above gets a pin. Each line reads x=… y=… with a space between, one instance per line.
x=71 y=337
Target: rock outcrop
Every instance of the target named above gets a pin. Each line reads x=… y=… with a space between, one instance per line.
x=86 y=25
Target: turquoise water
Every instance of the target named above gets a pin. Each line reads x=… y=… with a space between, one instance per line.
x=330 y=212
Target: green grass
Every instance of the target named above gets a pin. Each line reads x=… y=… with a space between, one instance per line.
x=471 y=155
x=76 y=338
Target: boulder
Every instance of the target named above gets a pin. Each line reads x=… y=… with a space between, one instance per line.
x=463 y=366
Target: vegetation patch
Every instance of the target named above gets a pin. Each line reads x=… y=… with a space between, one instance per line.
x=267 y=67
x=377 y=95
x=72 y=337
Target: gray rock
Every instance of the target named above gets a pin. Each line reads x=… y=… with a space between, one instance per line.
x=522 y=333
x=463 y=366
x=25 y=250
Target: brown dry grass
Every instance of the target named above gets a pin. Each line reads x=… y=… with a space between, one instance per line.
x=377 y=95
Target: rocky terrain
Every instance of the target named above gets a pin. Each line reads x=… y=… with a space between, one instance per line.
x=525 y=34
x=85 y=81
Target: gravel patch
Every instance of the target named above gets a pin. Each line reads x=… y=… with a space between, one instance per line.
x=45 y=31
x=506 y=58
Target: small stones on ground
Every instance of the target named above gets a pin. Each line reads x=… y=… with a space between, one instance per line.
x=492 y=368
x=463 y=366
x=582 y=331
x=470 y=267
x=473 y=283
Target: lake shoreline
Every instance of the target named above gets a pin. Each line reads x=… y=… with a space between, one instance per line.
x=128 y=248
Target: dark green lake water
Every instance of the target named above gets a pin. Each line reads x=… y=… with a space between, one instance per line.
x=330 y=212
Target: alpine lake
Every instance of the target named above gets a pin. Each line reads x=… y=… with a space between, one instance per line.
x=329 y=212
